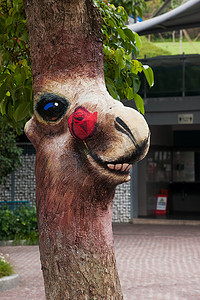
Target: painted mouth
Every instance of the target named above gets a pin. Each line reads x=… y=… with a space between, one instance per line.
x=122 y=165
x=123 y=168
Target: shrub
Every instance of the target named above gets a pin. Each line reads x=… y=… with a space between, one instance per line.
x=19 y=224
x=5 y=268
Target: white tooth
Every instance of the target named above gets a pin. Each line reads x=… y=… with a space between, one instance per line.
x=128 y=178
x=118 y=167
x=129 y=167
x=124 y=166
x=111 y=166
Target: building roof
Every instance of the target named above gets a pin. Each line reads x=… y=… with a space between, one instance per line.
x=184 y=16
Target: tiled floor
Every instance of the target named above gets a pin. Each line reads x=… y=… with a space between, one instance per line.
x=155 y=262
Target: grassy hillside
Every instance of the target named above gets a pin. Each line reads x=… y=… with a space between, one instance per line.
x=174 y=48
x=150 y=49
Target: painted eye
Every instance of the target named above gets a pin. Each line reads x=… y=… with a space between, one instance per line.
x=51 y=107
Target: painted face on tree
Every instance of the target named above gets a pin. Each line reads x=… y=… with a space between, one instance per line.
x=107 y=137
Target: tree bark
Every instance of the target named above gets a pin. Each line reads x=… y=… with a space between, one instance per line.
x=76 y=242
x=65 y=38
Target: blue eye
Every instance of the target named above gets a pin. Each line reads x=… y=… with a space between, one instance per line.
x=51 y=107
x=48 y=105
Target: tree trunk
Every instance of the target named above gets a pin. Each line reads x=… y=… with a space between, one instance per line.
x=65 y=38
x=76 y=243
x=85 y=143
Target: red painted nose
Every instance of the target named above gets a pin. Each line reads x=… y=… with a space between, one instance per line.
x=82 y=123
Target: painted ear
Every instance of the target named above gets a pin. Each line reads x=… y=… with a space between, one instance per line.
x=82 y=123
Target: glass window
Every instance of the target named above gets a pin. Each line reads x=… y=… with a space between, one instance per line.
x=183 y=166
x=159 y=166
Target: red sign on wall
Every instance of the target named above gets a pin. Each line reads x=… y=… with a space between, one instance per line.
x=161 y=205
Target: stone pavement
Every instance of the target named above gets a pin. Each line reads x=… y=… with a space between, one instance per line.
x=155 y=262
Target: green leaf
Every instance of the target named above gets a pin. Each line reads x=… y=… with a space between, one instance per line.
x=129 y=81
x=119 y=53
x=9 y=21
x=109 y=80
x=10 y=110
x=3 y=76
x=121 y=33
x=112 y=91
x=149 y=75
x=129 y=93
x=111 y=22
x=138 y=41
x=136 y=83
x=118 y=82
x=3 y=90
x=117 y=71
x=12 y=67
x=122 y=64
x=29 y=93
x=24 y=37
x=106 y=49
x=139 y=103
x=22 y=111
x=13 y=94
x=5 y=56
x=18 y=79
x=3 y=105
x=129 y=33
x=136 y=66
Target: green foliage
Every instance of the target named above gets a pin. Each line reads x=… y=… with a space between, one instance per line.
x=15 y=71
x=5 y=268
x=119 y=43
x=19 y=224
x=136 y=8
x=10 y=154
x=152 y=6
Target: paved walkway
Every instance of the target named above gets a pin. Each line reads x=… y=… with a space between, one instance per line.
x=155 y=262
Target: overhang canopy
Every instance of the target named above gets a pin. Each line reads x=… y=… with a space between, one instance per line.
x=184 y=16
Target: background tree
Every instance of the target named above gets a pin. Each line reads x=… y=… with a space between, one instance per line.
x=15 y=83
x=121 y=72
x=136 y=8
x=15 y=70
x=119 y=44
x=152 y=7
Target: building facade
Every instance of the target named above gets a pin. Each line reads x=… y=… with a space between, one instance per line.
x=172 y=165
